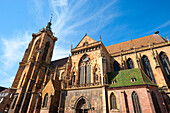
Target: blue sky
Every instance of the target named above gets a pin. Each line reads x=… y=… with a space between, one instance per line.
x=115 y=20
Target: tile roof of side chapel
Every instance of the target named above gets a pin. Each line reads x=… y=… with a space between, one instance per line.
x=138 y=43
x=124 y=78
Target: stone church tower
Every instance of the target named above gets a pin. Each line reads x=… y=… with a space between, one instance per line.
x=129 y=77
x=33 y=72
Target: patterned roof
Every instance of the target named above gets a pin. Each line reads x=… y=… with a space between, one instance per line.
x=138 y=43
x=124 y=78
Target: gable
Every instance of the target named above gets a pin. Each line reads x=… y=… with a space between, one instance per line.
x=49 y=88
x=87 y=39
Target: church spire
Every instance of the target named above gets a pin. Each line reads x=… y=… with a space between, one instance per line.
x=49 y=24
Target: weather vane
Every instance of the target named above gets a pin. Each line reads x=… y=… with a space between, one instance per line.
x=51 y=17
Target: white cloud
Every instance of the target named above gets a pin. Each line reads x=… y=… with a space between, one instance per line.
x=72 y=19
x=60 y=3
x=13 y=50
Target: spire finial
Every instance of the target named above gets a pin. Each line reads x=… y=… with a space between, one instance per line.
x=49 y=23
x=100 y=38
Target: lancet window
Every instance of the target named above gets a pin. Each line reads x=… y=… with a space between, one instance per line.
x=36 y=47
x=113 y=103
x=136 y=104
x=116 y=66
x=155 y=102
x=85 y=70
x=165 y=64
x=147 y=68
x=45 y=51
x=45 y=100
x=130 y=63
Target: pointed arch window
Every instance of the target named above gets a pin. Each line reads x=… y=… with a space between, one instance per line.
x=45 y=51
x=130 y=63
x=136 y=104
x=147 y=68
x=116 y=66
x=45 y=100
x=165 y=64
x=113 y=103
x=85 y=70
x=155 y=102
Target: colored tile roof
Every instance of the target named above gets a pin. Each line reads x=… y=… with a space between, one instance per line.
x=138 y=43
x=124 y=78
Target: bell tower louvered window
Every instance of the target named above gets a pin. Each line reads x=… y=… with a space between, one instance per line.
x=45 y=51
x=85 y=70
x=113 y=103
x=136 y=104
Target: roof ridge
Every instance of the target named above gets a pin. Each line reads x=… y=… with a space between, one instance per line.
x=132 y=40
x=143 y=74
x=163 y=38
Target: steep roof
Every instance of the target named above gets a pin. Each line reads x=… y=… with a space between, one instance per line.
x=86 y=38
x=2 y=88
x=124 y=78
x=5 y=91
x=139 y=42
x=58 y=63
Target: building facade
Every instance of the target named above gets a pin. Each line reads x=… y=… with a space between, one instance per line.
x=129 y=77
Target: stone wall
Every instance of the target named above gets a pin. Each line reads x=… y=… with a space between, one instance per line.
x=93 y=96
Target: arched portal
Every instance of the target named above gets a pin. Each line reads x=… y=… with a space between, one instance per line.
x=82 y=105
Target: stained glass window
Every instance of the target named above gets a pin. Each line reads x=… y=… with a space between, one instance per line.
x=85 y=70
x=165 y=64
x=113 y=103
x=136 y=104
x=116 y=66
x=130 y=63
x=147 y=68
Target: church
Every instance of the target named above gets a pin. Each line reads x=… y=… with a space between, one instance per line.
x=128 y=77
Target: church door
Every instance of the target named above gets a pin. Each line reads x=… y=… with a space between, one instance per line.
x=82 y=106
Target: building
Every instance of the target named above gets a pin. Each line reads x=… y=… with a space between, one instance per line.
x=129 y=77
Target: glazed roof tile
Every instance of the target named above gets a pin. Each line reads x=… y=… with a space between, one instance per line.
x=124 y=78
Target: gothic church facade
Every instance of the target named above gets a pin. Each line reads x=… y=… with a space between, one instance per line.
x=129 y=77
